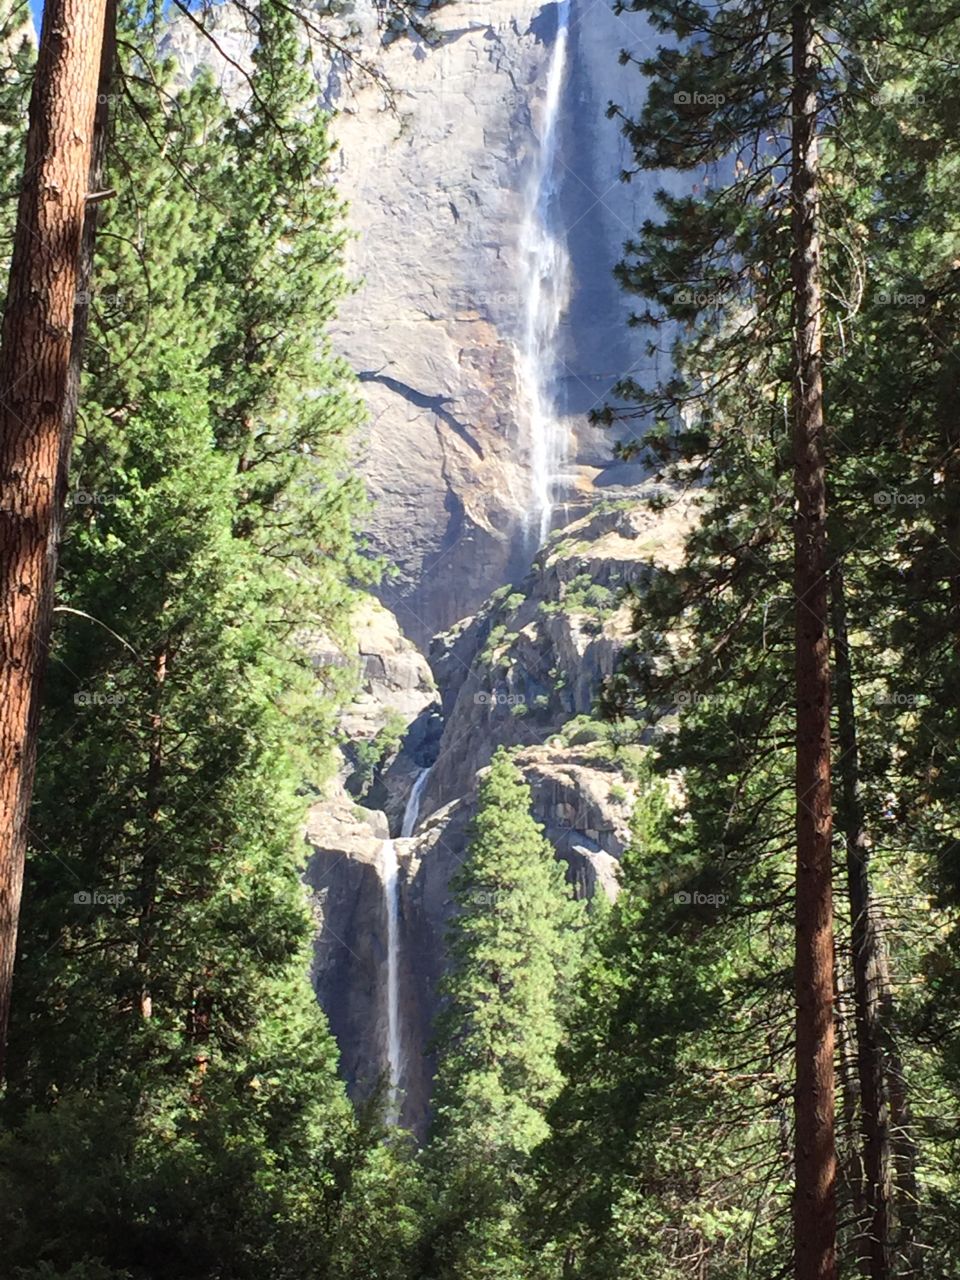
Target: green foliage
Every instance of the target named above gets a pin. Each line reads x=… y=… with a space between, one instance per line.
x=640 y=1172
x=373 y=753
x=583 y=595
x=173 y=1085
x=512 y=960
x=284 y=406
x=672 y=1158
x=16 y=64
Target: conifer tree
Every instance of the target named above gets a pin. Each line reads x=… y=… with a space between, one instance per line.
x=168 y=1054
x=713 y=642
x=512 y=956
x=285 y=405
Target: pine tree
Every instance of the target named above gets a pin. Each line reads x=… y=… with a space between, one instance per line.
x=285 y=406
x=512 y=956
x=168 y=1056
x=714 y=636
x=16 y=65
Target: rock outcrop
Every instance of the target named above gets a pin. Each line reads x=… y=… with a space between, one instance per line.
x=436 y=192
x=538 y=655
x=524 y=671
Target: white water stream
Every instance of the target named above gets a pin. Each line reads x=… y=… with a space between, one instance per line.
x=390 y=877
x=544 y=278
x=412 y=812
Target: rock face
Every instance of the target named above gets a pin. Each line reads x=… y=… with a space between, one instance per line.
x=437 y=193
x=343 y=878
x=394 y=677
x=437 y=151
x=536 y=657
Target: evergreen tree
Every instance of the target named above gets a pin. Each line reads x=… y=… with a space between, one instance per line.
x=512 y=957
x=16 y=64
x=714 y=636
x=285 y=406
x=169 y=1058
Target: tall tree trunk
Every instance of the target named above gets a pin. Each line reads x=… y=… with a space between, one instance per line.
x=85 y=282
x=905 y=1157
x=815 y=1215
x=850 y=1171
x=871 y=977
x=35 y=357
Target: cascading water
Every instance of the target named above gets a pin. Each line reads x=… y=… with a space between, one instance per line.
x=411 y=813
x=390 y=878
x=544 y=284
x=390 y=875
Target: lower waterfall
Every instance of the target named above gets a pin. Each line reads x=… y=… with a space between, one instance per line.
x=390 y=875
x=390 y=878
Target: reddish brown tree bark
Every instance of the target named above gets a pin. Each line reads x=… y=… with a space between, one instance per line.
x=35 y=364
x=815 y=1217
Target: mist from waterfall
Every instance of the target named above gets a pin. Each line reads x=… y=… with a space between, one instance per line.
x=390 y=876
x=544 y=279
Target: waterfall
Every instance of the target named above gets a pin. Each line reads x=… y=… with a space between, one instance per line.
x=412 y=812
x=390 y=878
x=390 y=875
x=544 y=274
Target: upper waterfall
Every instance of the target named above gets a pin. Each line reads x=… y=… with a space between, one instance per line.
x=545 y=272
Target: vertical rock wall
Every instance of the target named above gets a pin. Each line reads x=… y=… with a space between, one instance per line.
x=436 y=186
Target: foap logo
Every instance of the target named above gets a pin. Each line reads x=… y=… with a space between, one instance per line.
x=896 y=698
x=98 y=898
x=90 y=498
x=697 y=899
x=897 y=97
x=691 y=698
x=894 y=298
x=701 y=297
x=106 y=299
x=685 y=98
x=485 y=897
x=90 y=698
x=505 y=301
x=898 y=498
x=493 y=698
